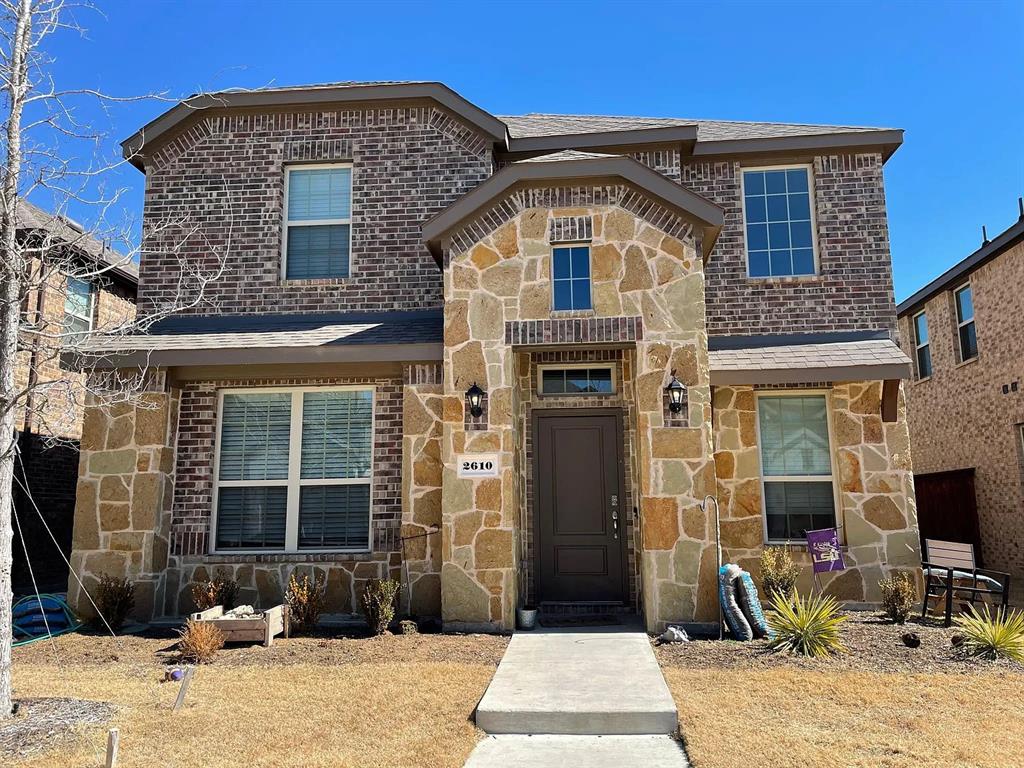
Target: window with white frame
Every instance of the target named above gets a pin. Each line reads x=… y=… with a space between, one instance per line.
x=78 y=306
x=965 y=330
x=294 y=469
x=317 y=222
x=796 y=465
x=570 y=278
x=779 y=222
x=922 y=348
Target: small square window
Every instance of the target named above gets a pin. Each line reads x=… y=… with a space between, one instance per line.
x=778 y=223
x=570 y=273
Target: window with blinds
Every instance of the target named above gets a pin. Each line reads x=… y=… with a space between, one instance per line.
x=796 y=465
x=294 y=470
x=318 y=222
x=78 y=306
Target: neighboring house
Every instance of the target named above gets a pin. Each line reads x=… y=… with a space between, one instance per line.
x=50 y=422
x=503 y=359
x=966 y=404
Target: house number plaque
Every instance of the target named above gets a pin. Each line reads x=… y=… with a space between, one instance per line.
x=478 y=465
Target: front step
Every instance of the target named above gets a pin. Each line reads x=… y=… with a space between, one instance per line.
x=589 y=751
x=590 y=683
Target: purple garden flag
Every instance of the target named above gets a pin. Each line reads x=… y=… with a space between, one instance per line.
x=825 y=552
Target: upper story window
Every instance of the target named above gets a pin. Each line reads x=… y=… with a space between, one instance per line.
x=966 y=333
x=779 y=222
x=796 y=465
x=294 y=469
x=570 y=278
x=78 y=306
x=317 y=221
x=922 y=349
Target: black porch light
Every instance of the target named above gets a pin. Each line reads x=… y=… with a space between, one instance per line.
x=675 y=391
x=476 y=397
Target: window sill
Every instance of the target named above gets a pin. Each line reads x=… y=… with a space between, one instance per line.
x=922 y=380
x=964 y=363
x=791 y=280
x=316 y=281
x=563 y=314
x=321 y=556
x=798 y=544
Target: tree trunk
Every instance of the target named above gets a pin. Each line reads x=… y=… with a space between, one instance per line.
x=10 y=318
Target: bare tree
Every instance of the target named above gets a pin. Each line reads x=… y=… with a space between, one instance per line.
x=46 y=254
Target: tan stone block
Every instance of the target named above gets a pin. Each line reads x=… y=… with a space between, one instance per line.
x=748 y=463
x=425 y=597
x=415 y=543
x=685 y=300
x=488 y=494
x=119 y=433
x=151 y=421
x=725 y=464
x=746 y=499
x=483 y=257
x=873 y=461
x=607 y=302
x=535 y=301
x=426 y=468
x=848 y=585
x=492 y=520
x=873 y=432
x=142 y=462
x=338 y=591
x=673 y=247
x=113 y=488
x=462 y=598
x=456 y=322
x=426 y=509
x=636 y=274
x=721 y=399
x=499 y=405
x=467 y=525
x=869 y=401
x=677 y=443
x=269 y=587
x=468 y=366
x=745 y=533
x=687 y=367
x=675 y=602
x=127 y=541
x=882 y=512
x=147 y=498
x=165 y=460
x=704 y=481
x=416 y=419
x=464 y=278
x=884 y=482
x=695 y=522
x=107 y=563
x=114 y=517
x=94 y=429
x=748 y=428
x=533 y=223
x=619 y=225
x=686 y=561
x=86 y=526
x=493 y=548
x=849 y=472
x=120 y=462
x=846 y=429
x=503 y=279
x=483 y=442
x=744 y=400
x=660 y=522
x=606 y=262
x=485 y=317
x=675 y=478
x=506 y=240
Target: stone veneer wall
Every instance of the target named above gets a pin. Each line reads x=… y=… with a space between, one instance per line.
x=123 y=508
x=499 y=271
x=872 y=471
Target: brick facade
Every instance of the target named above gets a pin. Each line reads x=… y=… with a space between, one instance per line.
x=960 y=417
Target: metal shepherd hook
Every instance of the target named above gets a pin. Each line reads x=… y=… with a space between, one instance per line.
x=718 y=549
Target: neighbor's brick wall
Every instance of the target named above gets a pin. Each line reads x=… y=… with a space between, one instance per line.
x=223 y=183
x=961 y=418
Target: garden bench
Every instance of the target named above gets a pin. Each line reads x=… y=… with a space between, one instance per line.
x=949 y=568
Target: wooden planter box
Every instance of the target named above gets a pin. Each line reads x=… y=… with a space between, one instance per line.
x=257 y=629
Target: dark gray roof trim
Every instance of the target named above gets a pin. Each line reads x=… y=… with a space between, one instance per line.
x=956 y=274
x=889 y=140
x=300 y=96
x=366 y=353
x=716 y=343
x=687 y=204
x=685 y=134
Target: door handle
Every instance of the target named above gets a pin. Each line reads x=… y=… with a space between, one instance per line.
x=615 y=523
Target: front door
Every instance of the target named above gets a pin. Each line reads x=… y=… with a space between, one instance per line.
x=580 y=518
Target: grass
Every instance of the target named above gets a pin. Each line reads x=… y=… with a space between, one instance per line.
x=786 y=717
x=353 y=714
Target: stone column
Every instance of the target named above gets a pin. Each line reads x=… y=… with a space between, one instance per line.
x=125 y=487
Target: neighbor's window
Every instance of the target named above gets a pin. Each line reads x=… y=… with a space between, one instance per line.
x=318 y=222
x=78 y=306
x=581 y=380
x=796 y=465
x=923 y=351
x=570 y=277
x=294 y=470
x=778 y=220
x=965 y=323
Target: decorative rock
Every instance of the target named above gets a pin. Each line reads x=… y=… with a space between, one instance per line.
x=882 y=512
x=911 y=640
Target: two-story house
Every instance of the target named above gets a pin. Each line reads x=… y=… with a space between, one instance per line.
x=76 y=284
x=504 y=359
x=966 y=402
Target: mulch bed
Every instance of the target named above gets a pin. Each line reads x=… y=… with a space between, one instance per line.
x=157 y=648
x=41 y=723
x=874 y=645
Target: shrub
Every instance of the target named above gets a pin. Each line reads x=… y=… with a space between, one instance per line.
x=220 y=590
x=778 y=572
x=898 y=596
x=379 y=604
x=199 y=642
x=115 y=598
x=809 y=626
x=305 y=598
x=992 y=635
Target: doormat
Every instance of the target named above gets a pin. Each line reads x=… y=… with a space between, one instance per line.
x=592 y=620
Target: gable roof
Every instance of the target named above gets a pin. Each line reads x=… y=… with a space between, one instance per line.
x=533 y=133
x=61 y=229
x=575 y=166
x=958 y=272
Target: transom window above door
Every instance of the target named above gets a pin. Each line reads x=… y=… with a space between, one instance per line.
x=294 y=470
x=577 y=380
x=317 y=222
x=779 y=222
x=570 y=278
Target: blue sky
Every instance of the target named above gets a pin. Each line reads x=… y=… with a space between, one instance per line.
x=951 y=75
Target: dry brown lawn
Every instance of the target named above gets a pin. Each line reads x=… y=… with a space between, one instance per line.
x=780 y=718
x=351 y=710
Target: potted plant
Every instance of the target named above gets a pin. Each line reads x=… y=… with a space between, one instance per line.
x=527 y=616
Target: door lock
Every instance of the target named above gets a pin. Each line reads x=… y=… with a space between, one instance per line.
x=615 y=522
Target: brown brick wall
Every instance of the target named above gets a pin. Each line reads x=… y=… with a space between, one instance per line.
x=961 y=418
x=222 y=184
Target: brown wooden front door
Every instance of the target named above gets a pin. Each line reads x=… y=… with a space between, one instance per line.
x=580 y=514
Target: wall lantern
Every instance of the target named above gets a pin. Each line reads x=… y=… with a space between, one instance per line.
x=675 y=391
x=476 y=396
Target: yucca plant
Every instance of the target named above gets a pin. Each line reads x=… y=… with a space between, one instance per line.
x=992 y=634
x=809 y=626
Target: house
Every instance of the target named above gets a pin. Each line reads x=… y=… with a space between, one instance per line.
x=504 y=359
x=49 y=421
x=966 y=401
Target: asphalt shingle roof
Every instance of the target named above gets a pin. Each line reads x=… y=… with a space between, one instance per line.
x=873 y=352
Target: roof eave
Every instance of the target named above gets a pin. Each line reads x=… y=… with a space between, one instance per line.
x=886 y=140
x=794 y=375
x=683 y=134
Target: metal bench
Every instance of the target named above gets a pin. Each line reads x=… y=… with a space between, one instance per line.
x=950 y=568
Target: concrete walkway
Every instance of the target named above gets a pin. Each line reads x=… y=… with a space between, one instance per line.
x=596 y=697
